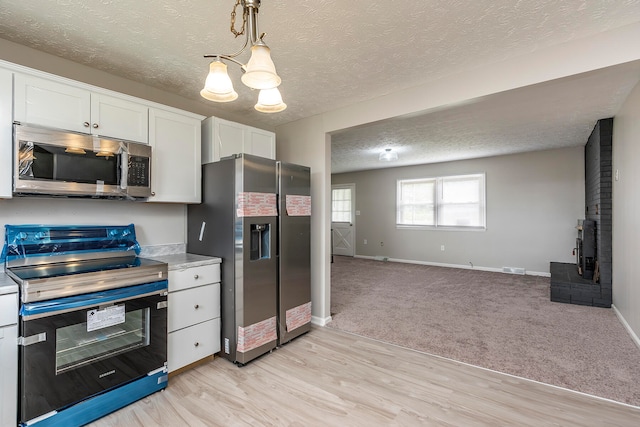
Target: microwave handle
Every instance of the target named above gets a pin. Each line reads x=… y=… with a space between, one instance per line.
x=124 y=168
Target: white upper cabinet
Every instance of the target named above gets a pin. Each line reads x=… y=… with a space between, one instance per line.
x=54 y=104
x=119 y=118
x=263 y=143
x=176 y=169
x=229 y=138
x=222 y=138
x=6 y=134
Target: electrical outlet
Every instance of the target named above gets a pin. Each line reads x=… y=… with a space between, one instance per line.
x=381 y=243
x=365 y=241
x=442 y=247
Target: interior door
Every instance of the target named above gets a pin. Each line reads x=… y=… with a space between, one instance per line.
x=343 y=228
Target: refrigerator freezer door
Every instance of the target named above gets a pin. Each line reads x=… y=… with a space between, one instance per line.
x=294 y=251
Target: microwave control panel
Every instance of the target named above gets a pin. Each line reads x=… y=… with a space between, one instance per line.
x=138 y=175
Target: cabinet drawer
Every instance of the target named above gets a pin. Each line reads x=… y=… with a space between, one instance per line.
x=195 y=305
x=193 y=276
x=9 y=309
x=193 y=343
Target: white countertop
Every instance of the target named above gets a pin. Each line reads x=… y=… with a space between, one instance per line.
x=186 y=260
x=7 y=285
x=175 y=262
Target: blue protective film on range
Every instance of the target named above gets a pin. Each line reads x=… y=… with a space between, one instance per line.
x=24 y=241
x=92 y=299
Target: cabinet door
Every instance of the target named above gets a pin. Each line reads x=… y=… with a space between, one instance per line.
x=193 y=343
x=47 y=103
x=193 y=277
x=193 y=306
x=6 y=134
x=229 y=139
x=262 y=142
x=119 y=118
x=175 y=168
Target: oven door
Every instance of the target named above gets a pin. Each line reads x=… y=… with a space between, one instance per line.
x=76 y=347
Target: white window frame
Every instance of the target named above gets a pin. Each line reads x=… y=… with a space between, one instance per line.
x=350 y=215
x=439 y=203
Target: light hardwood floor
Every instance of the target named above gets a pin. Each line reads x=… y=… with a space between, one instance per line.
x=331 y=378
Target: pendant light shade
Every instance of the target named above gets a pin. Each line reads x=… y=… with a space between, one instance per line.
x=261 y=72
x=270 y=101
x=218 y=86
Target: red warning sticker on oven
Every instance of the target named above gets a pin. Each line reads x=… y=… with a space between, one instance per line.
x=109 y=316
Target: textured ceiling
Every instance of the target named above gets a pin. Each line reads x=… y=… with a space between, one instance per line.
x=332 y=53
x=558 y=114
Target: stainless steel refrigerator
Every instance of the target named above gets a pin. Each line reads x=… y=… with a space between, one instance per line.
x=238 y=221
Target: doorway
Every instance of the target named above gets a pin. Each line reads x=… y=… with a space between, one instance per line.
x=343 y=228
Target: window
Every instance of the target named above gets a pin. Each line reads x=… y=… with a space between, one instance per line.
x=341 y=205
x=447 y=202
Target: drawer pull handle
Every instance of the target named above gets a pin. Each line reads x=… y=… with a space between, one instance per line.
x=196 y=344
x=197 y=306
x=195 y=276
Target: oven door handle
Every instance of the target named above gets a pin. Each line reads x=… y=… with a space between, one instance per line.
x=38 y=310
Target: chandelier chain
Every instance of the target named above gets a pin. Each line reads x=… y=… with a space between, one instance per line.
x=233 y=19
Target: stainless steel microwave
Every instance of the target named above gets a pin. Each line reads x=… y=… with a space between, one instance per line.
x=59 y=163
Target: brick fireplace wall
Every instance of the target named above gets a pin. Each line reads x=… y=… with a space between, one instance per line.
x=566 y=285
x=598 y=197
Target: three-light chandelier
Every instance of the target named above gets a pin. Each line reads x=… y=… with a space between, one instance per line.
x=259 y=73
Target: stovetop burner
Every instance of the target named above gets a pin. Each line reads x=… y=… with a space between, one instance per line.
x=61 y=269
x=51 y=262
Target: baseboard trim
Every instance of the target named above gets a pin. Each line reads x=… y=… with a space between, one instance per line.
x=463 y=266
x=320 y=321
x=626 y=325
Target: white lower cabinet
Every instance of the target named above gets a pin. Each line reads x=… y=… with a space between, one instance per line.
x=8 y=359
x=195 y=305
x=193 y=343
x=194 y=315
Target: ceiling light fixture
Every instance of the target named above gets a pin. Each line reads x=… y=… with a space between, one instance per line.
x=388 y=155
x=259 y=73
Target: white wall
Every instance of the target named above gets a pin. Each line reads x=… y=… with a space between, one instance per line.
x=305 y=142
x=607 y=49
x=156 y=224
x=626 y=211
x=533 y=203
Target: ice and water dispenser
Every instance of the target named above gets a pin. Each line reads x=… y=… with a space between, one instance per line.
x=260 y=242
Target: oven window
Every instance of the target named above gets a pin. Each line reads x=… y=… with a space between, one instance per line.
x=83 y=343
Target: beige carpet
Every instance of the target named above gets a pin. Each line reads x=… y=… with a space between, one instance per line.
x=498 y=321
